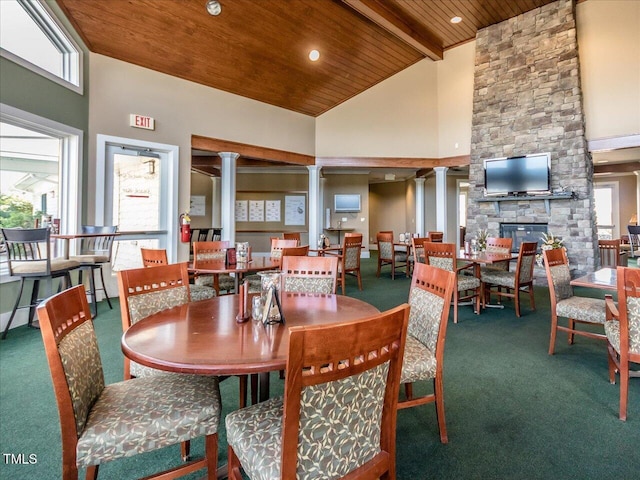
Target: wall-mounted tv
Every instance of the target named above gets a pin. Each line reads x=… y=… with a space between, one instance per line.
x=528 y=174
x=348 y=202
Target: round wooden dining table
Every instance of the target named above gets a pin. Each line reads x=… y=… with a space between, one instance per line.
x=204 y=338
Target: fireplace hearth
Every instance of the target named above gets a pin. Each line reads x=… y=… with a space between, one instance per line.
x=523 y=232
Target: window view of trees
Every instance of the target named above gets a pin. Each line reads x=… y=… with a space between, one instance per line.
x=17 y=213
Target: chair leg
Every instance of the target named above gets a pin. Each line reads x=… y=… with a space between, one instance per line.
x=359 y=280
x=92 y=292
x=243 y=381
x=532 y=298
x=34 y=300
x=15 y=308
x=455 y=306
x=92 y=472
x=517 y=299
x=572 y=326
x=344 y=282
x=612 y=364
x=104 y=289
x=233 y=464
x=439 y=393
x=211 y=452
x=554 y=331
x=185 y=450
x=624 y=389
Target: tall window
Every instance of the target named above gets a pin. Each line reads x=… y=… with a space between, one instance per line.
x=606 y=206
x=31 y=36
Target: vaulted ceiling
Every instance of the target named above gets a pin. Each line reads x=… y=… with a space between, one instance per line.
x=259 y=48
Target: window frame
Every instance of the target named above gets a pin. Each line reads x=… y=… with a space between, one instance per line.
x=72 y=55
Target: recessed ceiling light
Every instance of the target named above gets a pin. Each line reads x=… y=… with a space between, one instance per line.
x=213 y=7
x=456 y=19
x=314 y=55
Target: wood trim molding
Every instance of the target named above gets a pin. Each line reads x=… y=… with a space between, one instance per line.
x=393 y=162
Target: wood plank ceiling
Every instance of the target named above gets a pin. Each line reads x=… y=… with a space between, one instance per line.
x=259 y=48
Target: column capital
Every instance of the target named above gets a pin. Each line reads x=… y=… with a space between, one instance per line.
x=419 y=180
x=441 y=169
x=228 y=155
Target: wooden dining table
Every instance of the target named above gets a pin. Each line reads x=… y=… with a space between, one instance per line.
x=204 y=338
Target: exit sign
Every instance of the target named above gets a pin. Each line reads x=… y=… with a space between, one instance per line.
x=140 y=121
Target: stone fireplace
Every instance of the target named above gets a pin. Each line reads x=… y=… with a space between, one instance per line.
x=523 y=232
x=528 y=100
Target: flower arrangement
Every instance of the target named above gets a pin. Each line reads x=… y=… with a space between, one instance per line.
x=549 y=242
x=481 y=239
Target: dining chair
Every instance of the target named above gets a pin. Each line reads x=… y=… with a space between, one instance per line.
x=29 y=257
x=609 y=253
x=498 y=245
x=467 y=285
x=634 y=239
x=215 y=251
x=277 y=245
x=430 y=297
x=292 y=236
x=417 y=247
x=505 y=283
x=152 y=257
x=622 y=329
x=301 y=251
x=581 y=310
x=338 y=415
x=100 y=422
x=94 y=253
x=387 y=254
x=309 y=274
x=436 y=237
x=349 y=259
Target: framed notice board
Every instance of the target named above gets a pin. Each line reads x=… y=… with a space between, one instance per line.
x=257 y=211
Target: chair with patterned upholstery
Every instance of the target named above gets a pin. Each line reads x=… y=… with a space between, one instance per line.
x=511 y=284
x=467 y=287
x=99 y=422
x=622 y=328
x=29 y=257
x=417 y=249
x=387 y=254
x=349 y=259
x=430 y=299
x=498 y=245
x=152 y=257
x=609 y=253
x=564 y=303
x=309 y=274
x=214 y=251
x=277 y=245
x=634 y=239
x=94 y=253
x=338 y=415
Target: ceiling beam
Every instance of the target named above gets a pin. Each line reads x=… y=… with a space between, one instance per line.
x=398 y=24
x=617 y=167
x=393 y=162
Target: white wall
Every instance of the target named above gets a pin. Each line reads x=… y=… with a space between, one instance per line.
x=609 y=49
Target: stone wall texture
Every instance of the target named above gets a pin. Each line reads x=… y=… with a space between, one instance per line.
x=527 y=99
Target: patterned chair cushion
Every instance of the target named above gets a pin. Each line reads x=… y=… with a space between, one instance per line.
x=145 y=304
x=467 y=282
x=419 y=363
x=83 y=368
x=165 y=410
x=561 y=278
x=612 y=329
x=424 y=316
x=442 y=262
x=582 y=308
x=339 y=429
x=201 y=292
x=308 y=285
x=385 y=249
x=499 y=277
x=351 y=258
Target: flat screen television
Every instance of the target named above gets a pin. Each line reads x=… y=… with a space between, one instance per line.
x=528 y=174
x=348 y=202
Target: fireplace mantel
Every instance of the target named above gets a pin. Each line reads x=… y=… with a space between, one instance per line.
x=517 y=198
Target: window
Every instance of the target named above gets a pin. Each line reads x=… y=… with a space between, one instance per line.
x=606 y=206
x=31 y=36
x=40 y=169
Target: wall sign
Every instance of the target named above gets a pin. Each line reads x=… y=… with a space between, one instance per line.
x=141 y=121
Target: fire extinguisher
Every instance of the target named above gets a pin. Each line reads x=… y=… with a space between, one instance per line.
x=185 y=227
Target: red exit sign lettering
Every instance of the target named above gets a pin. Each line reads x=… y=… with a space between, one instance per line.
x=141 y=121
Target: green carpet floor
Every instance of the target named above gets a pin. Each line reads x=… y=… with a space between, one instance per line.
x=513 y=412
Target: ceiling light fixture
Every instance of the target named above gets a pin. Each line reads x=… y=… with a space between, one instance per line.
x=314 y=55
x=213 y=7
x=456 y=19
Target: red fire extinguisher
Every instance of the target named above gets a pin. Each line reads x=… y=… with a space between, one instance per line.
x=185 y=227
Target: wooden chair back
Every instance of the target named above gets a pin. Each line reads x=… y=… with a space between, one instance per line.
x=417 y=246
x=207 y=252
x=609 y=252
x=303 y=274
x=436 y=237
x=499 y=245
x=385 y=245
x=301 y=251
x=441 y=255
x=556 y=266
x=292 y=236
x=319 y=358
x=277 y=244
x=145 y=291
x=152 y=257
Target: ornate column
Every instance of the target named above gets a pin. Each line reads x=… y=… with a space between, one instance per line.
x=228 y=196
x=420 y=206
x=441 y=200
